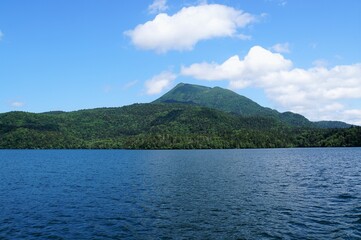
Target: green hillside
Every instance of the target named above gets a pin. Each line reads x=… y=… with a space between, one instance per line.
x=189 y=116
x=161 y=126
x=217 y=98
x=229 y=101
x=331 y=124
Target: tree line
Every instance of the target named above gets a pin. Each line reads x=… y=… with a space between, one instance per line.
x=162 y=126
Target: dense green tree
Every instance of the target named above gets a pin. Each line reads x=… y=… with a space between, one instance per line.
x=162 y=126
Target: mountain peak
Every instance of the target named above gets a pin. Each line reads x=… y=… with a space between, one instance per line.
x=231 y=102
x=216 y=97
x=227 y=101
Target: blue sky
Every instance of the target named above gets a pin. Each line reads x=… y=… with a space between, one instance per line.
x=290 y=55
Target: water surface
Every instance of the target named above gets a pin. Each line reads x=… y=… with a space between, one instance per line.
x=193 y=194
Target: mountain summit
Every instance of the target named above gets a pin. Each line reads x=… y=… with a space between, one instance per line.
x=227 y=101
x=217 y=98
x=231 y=102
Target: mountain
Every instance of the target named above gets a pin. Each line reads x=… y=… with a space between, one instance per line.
x=177 y=120
x=229 y=101
x=217 y=98
x=145 y=126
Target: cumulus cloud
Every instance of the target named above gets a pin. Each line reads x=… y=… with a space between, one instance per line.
x=281 y=48
x=240 y=73
x=190 y=25
x=159 y=82
x=316 y=92
x=1 y=35
x=353 y=115
x=158 y=6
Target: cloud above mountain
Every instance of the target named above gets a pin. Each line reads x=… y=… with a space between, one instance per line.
x=317 y=92
x=184 y=29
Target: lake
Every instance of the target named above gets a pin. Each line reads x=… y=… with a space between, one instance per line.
x=181 y=194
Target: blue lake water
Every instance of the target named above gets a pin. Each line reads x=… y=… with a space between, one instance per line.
x=181 y=194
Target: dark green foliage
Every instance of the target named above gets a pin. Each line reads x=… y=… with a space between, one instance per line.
x=189 y=116
x=161 y=126
x=231 y=102
x=331 y=124
x=294 y=119
x=217 y=98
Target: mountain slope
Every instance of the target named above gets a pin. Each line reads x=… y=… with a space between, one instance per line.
x=331 y=124
x=189 y=116
x=229 y=101
x=136 y=126
x=217 y=98
x=160 y=126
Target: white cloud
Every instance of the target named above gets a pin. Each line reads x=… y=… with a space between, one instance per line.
x=281 y=48
x=17 y=104
x=256 y=64
x=159 y=82
x=1 y=35
x=158 y=6
x=190 y=25
x=315 y=92
x=353 y=116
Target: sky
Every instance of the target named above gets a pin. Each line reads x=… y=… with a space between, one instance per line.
x=290 y=55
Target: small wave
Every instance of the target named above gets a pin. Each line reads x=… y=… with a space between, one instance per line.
x=345 y=196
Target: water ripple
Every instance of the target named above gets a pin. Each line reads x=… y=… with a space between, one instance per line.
x=215 y=194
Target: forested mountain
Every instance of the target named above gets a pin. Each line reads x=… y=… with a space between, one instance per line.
x=217 y=98
x=229 y=101
x=171 y=123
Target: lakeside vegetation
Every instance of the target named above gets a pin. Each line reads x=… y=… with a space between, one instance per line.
x=187 y=117
x=162 y=126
